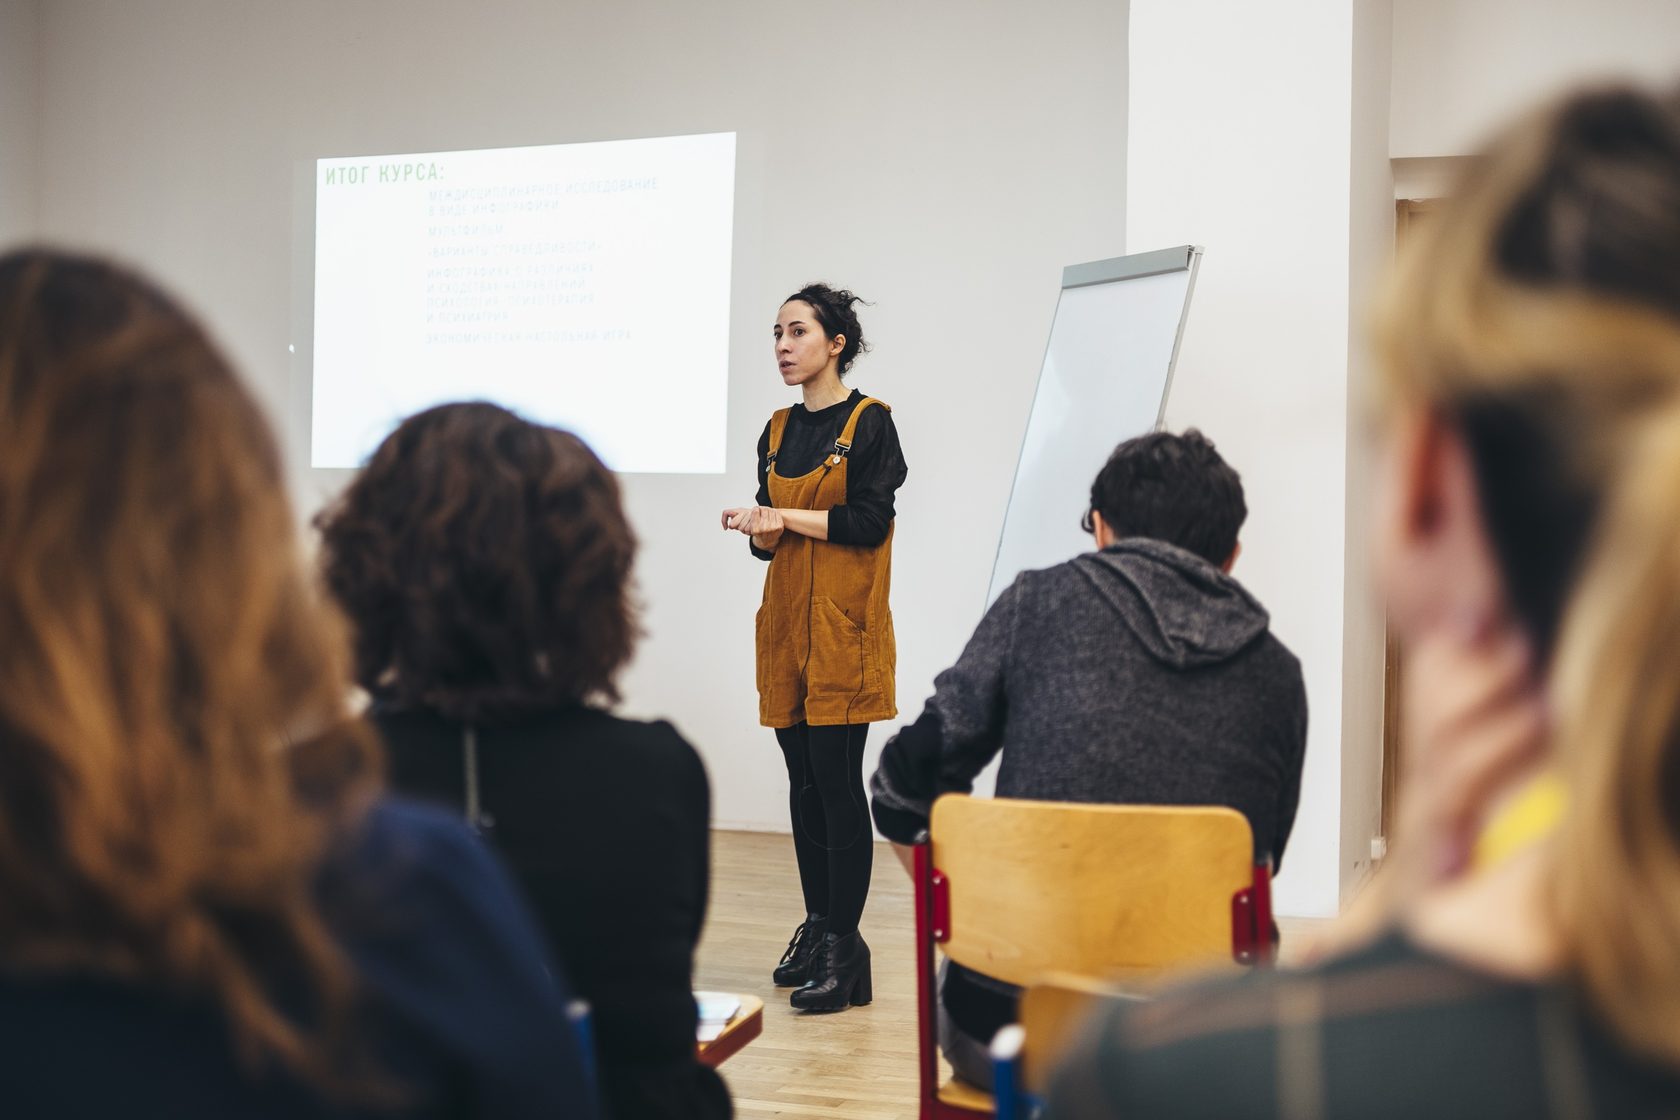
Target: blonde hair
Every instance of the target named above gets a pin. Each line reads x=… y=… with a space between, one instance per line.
x=176 y=756
x=1546 y=293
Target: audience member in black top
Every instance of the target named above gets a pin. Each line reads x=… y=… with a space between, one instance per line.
x=205 y=910
x=606 y=823
x=484 y=562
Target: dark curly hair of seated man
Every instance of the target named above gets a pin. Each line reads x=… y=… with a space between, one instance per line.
x=484 y=562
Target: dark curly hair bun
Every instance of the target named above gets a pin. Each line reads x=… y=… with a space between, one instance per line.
x=484 y=562
x=836 y=315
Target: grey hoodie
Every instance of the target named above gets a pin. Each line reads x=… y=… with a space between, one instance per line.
x=1140 y=674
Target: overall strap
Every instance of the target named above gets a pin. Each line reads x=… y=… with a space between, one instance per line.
x=843 y=445
x=778 y=425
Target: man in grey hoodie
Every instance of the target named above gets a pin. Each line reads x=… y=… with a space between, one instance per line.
x=1141 y=673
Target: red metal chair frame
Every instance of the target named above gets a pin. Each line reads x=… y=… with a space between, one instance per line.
x=933 y=924
x=1252 y=943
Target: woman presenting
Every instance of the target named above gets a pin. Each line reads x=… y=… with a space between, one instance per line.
x=828 y=469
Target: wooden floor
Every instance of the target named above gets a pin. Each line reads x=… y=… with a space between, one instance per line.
x=859 y=1064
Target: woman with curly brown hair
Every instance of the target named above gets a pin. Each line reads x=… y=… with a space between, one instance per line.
x=205 y=908
x=485 y=565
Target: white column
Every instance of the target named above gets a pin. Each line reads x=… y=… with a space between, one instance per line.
x=20 y=120
x=1242 y=139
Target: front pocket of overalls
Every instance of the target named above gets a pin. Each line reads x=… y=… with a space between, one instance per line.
x=842 y=656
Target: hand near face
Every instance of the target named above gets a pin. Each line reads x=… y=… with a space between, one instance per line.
x=1473 y=717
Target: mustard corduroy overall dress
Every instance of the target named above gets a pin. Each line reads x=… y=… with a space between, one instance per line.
x=824 y=634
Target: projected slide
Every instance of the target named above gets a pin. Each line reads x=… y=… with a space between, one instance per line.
x=582 y=285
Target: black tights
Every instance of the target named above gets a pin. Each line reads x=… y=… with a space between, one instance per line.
x=832 y=839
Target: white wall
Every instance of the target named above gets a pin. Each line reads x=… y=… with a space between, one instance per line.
x=1370 y=252
x=1463 y=66
x=945 y=159
x=19 y=119
x=1241 y=139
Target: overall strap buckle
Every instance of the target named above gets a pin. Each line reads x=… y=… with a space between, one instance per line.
x=843 y=445
x=778 y=425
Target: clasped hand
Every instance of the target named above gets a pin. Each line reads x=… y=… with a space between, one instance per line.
x=761 y=523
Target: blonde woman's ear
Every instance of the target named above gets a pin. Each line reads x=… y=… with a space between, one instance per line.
x=1435 y=560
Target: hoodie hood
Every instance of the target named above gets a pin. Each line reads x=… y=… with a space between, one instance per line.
x=1186 y=613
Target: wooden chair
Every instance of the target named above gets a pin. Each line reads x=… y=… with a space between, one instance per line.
x=1022 y=889
x=1025 y=1053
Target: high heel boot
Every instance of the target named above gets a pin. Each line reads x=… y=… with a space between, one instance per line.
x=794 y=968
x=839 y=976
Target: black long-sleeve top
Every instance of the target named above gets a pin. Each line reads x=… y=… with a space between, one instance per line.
x=875 y=467
x=623 y=916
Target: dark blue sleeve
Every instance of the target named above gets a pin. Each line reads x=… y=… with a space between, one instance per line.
x=875 y=470
x=453 y=959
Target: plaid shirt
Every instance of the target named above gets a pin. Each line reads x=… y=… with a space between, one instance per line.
x=1391 y=1031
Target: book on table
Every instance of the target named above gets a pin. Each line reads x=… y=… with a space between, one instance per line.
x=717 y=1009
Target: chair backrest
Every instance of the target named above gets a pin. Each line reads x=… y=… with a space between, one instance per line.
x=1026 y=888
x=1052 y=1013
x=1026 y=1053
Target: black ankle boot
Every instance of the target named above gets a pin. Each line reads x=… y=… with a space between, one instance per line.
x=794 y=968
x=839 y=976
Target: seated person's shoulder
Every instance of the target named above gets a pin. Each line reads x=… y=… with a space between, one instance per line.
x=1032 y=586
x=653 y=749
x=1388 y=1019
x=452 y=964
x=1277 y=657
x=1387 y=975
x=397 y=824
x=408 y=847
x=427 y=911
